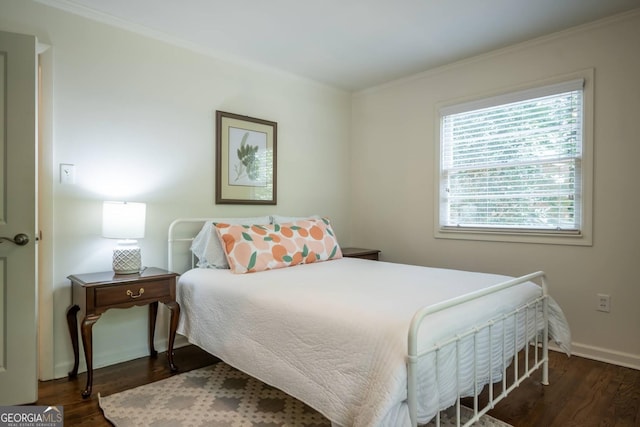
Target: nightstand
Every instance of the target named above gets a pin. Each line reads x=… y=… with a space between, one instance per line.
x=360 y=253
x=95 y=293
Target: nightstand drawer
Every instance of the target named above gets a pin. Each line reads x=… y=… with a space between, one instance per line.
x=131 y=292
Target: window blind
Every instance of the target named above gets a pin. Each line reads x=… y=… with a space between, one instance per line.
x=514 y=162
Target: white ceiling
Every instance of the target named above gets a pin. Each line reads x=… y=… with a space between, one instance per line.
x=350 y=44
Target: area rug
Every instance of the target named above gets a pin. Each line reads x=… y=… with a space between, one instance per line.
x=219 y=396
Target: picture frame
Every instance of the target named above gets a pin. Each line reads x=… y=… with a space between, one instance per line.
x=246 y=160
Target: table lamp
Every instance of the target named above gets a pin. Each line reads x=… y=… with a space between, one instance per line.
x=124 y=221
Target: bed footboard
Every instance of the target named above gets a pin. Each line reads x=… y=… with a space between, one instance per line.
x=515 y=356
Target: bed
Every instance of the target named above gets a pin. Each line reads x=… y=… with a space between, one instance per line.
x=369 y=343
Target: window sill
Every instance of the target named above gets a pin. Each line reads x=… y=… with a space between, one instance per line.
x=537 y=237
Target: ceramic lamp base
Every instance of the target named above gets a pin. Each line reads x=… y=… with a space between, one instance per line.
x=127 y=260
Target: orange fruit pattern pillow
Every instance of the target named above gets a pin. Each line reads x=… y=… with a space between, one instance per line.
x=251 y=248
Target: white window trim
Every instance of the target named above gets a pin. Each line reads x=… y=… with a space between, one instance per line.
x=585 y=236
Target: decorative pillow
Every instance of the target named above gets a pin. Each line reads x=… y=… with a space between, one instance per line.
x=206 y=245
x=251 y=248
x=279 y=219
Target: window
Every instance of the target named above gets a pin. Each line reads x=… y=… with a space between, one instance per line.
x=513 y=164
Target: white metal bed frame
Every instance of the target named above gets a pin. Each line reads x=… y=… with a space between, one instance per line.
x=540 y=345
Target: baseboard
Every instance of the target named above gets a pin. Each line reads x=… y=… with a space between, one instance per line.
x=613 y=357
x=181 y=341
x=61 y=370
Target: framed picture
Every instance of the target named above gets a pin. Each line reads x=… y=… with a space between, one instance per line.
x=245 y=160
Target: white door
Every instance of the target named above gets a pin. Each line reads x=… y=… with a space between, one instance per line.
x=18 y=351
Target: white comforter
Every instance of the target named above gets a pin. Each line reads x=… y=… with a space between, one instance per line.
x=334 y=334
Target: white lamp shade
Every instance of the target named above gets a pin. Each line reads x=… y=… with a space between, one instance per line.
x=123 y=220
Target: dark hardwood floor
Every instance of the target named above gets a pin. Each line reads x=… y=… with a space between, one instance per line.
x=582 y=392
x=113 y=379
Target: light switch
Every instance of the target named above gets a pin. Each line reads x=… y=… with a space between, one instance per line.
x=67 y=173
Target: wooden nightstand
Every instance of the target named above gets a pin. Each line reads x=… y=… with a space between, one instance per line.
x=95 y=293
x=360 y=253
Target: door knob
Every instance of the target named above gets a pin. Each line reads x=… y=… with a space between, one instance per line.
x=19 y=239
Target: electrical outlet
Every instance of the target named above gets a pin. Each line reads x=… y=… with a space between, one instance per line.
x=604 y=303
x=67 y=173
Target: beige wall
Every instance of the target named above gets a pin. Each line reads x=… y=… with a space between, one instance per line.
x=392 y=177
x=136 y=117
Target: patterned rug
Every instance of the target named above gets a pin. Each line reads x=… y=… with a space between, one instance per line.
x=219 y=396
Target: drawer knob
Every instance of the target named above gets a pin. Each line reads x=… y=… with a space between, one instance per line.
x=140 y=292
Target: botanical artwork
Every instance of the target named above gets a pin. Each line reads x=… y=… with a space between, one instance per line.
x=247 y=157
x=246 y=161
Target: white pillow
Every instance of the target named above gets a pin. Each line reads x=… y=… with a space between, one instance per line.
x=206 y=245
x=279 y=219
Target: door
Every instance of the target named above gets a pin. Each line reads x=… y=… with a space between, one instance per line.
x=18 y=350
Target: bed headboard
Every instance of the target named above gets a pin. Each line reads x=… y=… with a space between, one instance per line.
x=181 y=234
